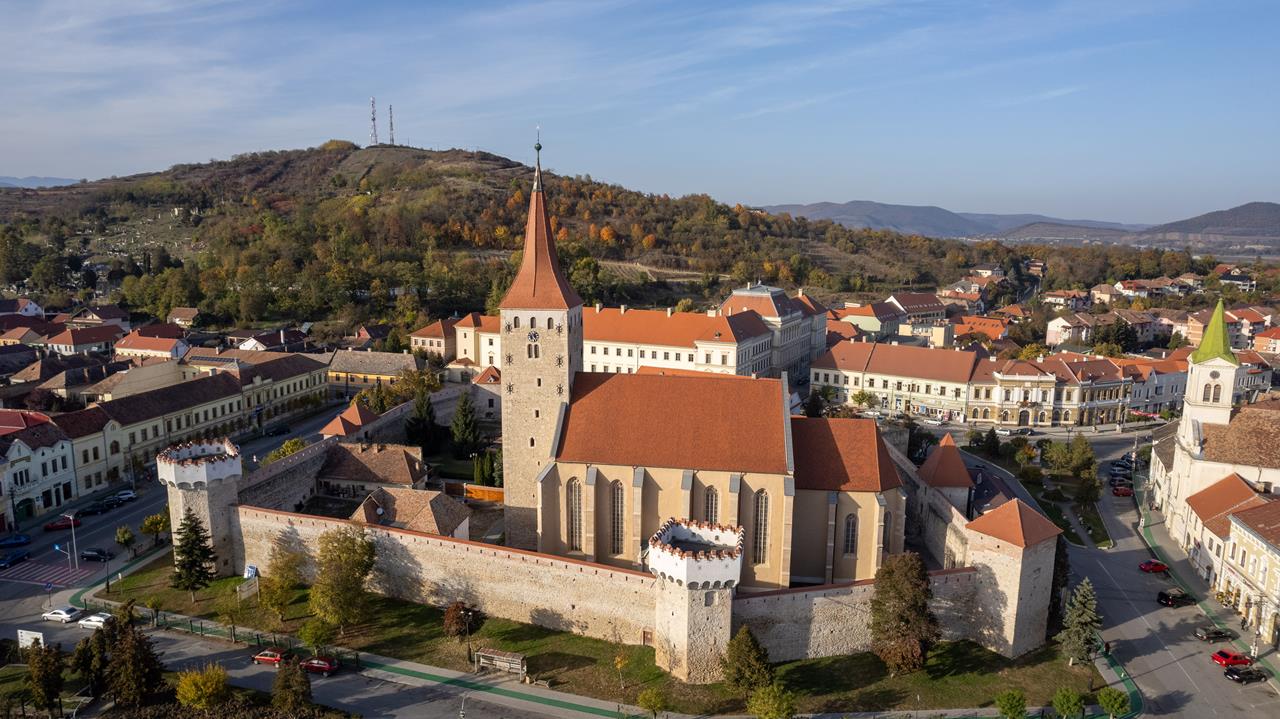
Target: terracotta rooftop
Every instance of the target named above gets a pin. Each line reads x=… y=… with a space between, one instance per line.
x=139 y=342
x=1215 y=504
x=1263 y=520
x=162 y=329
x=945 y=467
x=417 y=509
x=916 y=301
x=490 y=375
x=482 y=323
x=879 y=310
x=679 y=329
x=349 y=421
x=440 y=329
x=845 y=455
x=87 y=335
x=1017 y=523
x=376 y=464
x=926 y=363
x=539 y=283
x=711 y=422
x=1249 y=439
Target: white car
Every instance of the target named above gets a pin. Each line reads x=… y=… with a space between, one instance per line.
x=96 y=621
x=62 y=614
x=125 y=495
x=872 y=413
x=934 y=422
x=1004 y=432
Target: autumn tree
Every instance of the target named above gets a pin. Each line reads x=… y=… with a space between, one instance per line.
x=134 y=670
x=194 y=562
x=45 y=665
x=283 y=576
x=155 y=525
x=288 y=447
x=90 y=661
x=203 y=688
x=771 y=701
x=125 y=538
x=344 y=561
x=654 y=701
x=903 y=626
x=291 y=692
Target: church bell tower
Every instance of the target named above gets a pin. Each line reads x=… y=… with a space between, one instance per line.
x=1211 y=379
x=541 y=324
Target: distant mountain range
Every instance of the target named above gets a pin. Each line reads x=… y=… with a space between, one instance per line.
x=32 y=182
x=929 y=220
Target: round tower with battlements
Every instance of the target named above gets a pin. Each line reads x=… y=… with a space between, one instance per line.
x=697 y=565
x=204 y=476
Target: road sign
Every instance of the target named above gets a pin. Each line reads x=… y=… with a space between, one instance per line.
x=57 y=547
x=26 y=638
x=48 y=586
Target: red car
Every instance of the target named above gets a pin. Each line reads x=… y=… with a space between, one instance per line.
x=61 y=523
x=324 y=666
x=1151 y=566
x=274 y=655
x=1228 y=658
x=1122 y=491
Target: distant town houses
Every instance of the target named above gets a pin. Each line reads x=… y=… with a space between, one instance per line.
x=83 y=340
x=136 y=344
x=20 y=306
x=437 y=338
x=351 y=371
x=185 y=317
x=1073 y=300
x=38 y=474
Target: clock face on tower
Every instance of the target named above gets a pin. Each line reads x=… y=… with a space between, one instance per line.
x=533 y=335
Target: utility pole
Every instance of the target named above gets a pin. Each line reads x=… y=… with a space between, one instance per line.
x=391 y=122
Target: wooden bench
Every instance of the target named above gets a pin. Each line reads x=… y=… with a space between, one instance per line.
x=509 y=662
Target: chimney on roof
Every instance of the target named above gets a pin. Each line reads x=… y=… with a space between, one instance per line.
x=622 y=309
x=800 y=292
x=670 y=311
x=599 y=307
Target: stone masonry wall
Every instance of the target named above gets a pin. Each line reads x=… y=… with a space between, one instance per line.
x=834 y=620
x=286 y=483
x=586 y=598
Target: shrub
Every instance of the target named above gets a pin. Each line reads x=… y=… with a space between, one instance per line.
x=203 y=688
x=746 y=663
x=459 y=619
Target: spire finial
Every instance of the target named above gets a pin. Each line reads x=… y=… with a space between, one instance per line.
x=537 y=172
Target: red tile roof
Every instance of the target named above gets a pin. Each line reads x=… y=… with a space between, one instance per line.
x=1017 y=523
x=349 y=422
x=162 y=329
x=711 y=422
x=1263 y=520
x=539 y=284
x=482 y=323
x=945 y=467
x=841 y=455
x=138 y=342
x=440 y=329
x=88 y=335
x=939 y=365
x=1215 y=504
x=680 y=329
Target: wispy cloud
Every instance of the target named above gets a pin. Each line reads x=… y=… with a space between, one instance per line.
x=1041 y=96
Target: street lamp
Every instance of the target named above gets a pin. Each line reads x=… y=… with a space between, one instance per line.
x=462 y=710
x=75 y=553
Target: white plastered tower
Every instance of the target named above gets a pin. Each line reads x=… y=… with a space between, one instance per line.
x=204 y=476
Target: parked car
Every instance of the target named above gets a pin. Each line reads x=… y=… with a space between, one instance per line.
x=1004 y=432
x=1174 y=597
x=1152 y=566
x=1245 y=675
x=112 y=501
x=272 y=655
x=16 y=556
x=62 y=523
x=62 y=614
x=277 y=431
x=126 y=495
x=1210 y=633
x=872 y=413
x=96 y=555
x=1230 y=658
x=1024 y=431
x=324 y=666
x=15 y=540
x=1122 y=491
x=96 y=621
x=96 y=508
x=934 y=422
x=1120 y=482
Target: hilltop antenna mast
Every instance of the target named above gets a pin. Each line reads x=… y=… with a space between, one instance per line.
x=373 y=122
x=391 y=122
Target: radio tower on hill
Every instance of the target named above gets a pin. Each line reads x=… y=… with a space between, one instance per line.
x=391 y=122
x=373 y=122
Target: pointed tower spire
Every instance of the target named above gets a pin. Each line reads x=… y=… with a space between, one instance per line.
x=539 y=284
x=1215 y=343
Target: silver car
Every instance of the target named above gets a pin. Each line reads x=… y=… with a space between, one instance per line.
x=96 y=621
x=62 y=614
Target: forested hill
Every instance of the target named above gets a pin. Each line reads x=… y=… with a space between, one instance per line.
x=341 y=232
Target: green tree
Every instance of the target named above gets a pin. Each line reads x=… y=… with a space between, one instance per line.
x=290 y=446
x=975 y=438
x=771 y=701
x=1113 y=701
x=862 y=398
x=1080 y=624
x=133 y=671
x=1033 y=351
x=654 y=701
x=125 y=538
x=194 y=562
x=421 y=428
x=1012 y=704
x=464 y=428
x=903 y=626
x=1089 y=490
x=746 y=663
x=991 y=443
x=1108 y=349
x=45 y=665
x=1176 y=340
x=155 y=525
x=90 y=661
x=345 y=560
x=1068 y=702
x=291 y=692
x=1061 y=574
x=203 y=688
x=813 y=404
x=317 y=634
x=1083 y=461
x=283 y=576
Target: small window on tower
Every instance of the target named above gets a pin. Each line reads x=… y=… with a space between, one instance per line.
x=517 y=322
x=539 y=381
x=531 y=441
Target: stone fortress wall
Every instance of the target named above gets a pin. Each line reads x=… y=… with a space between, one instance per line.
x=285 y=483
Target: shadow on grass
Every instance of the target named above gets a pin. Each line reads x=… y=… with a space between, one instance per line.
x=552 y=663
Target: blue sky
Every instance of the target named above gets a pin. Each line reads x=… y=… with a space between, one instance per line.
x=1127 y=110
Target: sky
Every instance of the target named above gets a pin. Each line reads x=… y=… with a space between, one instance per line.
x=1129 y=110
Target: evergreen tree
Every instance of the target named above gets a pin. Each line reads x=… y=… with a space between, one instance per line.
x=477 y=469
x=1068 y=703
x=465 y=430
x=1080 y=625
x=90 y=661
x=1012 y=704
x=194 y=563
x=44 y=674
x=291 y=692
x=345 y=560
x=1061 y=574
x=421 y=429
x=991 y=443
x=903 y=627
x=134 y=670
x=813 y=404
x=746 y=663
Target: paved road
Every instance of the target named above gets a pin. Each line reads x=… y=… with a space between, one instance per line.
x=308 y=429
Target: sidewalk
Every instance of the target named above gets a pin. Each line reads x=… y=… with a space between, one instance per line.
x=1184 y=575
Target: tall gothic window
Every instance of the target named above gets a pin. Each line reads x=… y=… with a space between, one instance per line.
x=616 y=537
x=573 y=510
x=850 y=534
x=760 y=539
x=711 y=512
x=1207 y=390
x=888 y=532
x=1217 y=393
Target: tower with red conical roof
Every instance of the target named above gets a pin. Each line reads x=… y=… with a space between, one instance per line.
x=541 y=318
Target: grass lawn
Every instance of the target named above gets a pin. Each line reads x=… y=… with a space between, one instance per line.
x=958 y=675
x=447 y=466
x=1088 y=514
x=13 y=683
x=1054 y=511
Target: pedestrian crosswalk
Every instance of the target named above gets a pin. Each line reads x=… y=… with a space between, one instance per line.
x=59 y=575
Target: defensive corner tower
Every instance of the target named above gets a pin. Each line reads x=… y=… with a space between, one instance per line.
x=204 y=476
x=697 y=565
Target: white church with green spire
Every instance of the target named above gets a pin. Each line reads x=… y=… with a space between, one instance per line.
x=1212 y=468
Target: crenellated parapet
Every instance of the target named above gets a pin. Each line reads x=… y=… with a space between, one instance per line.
x=696 y=554
x=196 y=465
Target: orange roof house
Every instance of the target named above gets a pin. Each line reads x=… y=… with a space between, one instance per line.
x=945 y=467
x=1215 y=504
x=1016 y=523
x=348 y=424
